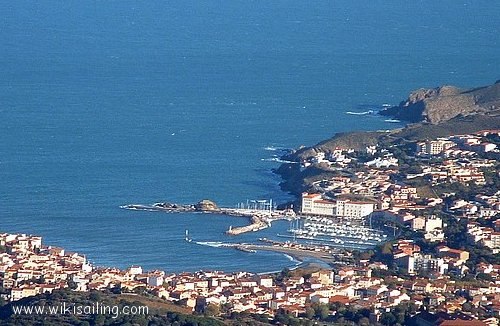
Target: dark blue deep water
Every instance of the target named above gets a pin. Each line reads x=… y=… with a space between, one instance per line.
x=104 y=103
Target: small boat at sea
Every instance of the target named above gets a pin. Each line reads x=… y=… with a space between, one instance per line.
x=187 y=238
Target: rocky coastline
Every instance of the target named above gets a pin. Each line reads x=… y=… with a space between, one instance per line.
x=430 y=113
x=440 y=104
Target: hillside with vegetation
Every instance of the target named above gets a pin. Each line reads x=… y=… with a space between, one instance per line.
x=160 y=312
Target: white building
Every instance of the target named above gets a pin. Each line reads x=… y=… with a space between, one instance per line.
x=156 y=278
x=434 y=147
x=383 y=162
x=314 y=204
x=493 y=242
x=488 y=147
x=432 y=223
x=355 y=210
x=422 y=263
x=135 y=270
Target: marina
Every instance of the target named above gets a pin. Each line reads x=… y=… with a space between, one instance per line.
x=327 y=230
x=315 y=230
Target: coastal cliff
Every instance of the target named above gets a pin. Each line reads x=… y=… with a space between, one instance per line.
x=443 y=103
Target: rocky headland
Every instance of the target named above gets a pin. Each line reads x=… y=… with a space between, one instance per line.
x=437 y=105
x=431 y=113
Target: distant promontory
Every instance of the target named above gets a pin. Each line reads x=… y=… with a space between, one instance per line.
x=431 y=113
x=443 y=103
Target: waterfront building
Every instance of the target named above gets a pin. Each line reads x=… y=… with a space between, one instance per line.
x=314 y=204
x=354 y=210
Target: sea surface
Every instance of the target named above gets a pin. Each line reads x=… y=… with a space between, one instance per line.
x=105 y=103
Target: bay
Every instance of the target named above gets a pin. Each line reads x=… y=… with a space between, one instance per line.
x=105 y=103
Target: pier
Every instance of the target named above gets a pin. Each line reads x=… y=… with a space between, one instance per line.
x=258 y=223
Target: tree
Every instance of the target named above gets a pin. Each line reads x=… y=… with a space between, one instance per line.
x=484 y=276
x=139 y=289
x=366 y=255
x=384 y=253
x=467 y=306
x=95 y=296
x=72 y=284
x=285 y=272
x=388 y=319
x=99 y=320
x=282 y=318
x=309 y=313
x=212 y=310
x=322 y=311
x=116 y=289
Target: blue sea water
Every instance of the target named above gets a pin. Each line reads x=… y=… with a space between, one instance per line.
x=104 y=103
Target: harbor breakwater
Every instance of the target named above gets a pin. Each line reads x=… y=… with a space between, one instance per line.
x=259 y=218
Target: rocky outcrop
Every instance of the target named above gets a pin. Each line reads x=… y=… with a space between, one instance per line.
x=206 y=205
x=444 y=103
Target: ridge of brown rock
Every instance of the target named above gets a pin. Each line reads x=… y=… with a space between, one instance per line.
x=443 y=103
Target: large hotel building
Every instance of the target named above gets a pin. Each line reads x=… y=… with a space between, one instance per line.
x=314 y=204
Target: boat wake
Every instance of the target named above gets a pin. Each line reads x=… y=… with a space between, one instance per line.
x=392 y=120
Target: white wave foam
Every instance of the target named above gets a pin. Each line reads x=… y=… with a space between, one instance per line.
x=360 y=113
x=213 y=244
x=276 y=159
x=392 y=120
x=275 y=148
x=290 y=258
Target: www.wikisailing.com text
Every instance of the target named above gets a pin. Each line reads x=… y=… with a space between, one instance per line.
x=73 y=309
